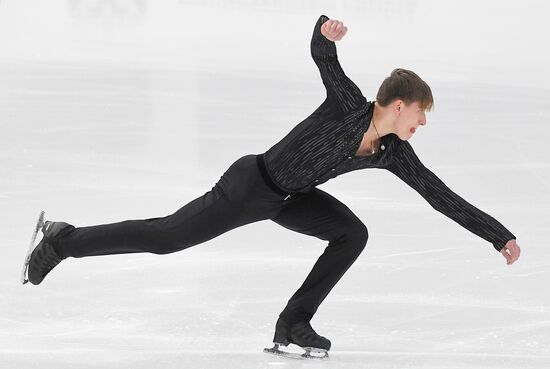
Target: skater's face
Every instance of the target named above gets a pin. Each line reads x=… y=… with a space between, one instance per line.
x=408 y=118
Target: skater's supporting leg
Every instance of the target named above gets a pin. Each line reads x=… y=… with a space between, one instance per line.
x=319 y=214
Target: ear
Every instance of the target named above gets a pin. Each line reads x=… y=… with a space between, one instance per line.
x=397 y=106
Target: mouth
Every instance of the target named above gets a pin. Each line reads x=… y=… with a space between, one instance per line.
x=413 y=130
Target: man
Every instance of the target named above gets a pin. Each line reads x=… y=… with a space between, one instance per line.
x=345 y=133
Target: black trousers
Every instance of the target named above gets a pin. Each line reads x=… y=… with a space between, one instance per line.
x=242 y=195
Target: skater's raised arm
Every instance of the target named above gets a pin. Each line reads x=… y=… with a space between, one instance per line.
x=340 y=89
x=407 y=166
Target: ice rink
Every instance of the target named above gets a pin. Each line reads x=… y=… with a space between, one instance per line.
x=121 y=109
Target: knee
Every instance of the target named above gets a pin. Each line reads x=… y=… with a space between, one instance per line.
x=362 y=235
x=163 y=245
x=162 y=250
x=160 y=241
x=357 y=236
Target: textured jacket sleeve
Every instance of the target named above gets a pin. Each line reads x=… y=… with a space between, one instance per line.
x=340 y=89
x=408 y=167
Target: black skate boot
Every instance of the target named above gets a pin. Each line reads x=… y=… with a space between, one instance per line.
x=43 y=257
x=300 y=334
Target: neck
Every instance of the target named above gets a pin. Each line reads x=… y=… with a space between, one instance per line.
x=381 y=123
x=383 y=119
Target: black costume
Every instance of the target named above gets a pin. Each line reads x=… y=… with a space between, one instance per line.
x=280 y=185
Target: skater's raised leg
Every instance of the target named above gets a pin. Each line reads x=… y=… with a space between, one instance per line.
x=200 y=220
x=240 y=197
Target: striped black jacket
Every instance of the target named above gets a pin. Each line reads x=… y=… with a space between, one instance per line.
x=323 y=146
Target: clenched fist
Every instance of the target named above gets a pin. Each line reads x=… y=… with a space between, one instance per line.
x=511 y=251
x=333 y=30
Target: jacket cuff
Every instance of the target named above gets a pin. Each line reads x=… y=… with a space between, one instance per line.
x=499 y=245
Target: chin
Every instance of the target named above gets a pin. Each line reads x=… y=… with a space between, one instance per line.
x=404 y=137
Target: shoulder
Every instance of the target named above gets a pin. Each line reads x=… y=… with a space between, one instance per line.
x=399 y=151
x=394 y=143
x=401 y=146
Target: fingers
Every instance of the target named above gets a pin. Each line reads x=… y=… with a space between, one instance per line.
x=514 y=251
x=506 y=255
x=511 y=252
x=343 y=33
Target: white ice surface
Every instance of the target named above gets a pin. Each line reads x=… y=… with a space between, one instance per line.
x=114 y=110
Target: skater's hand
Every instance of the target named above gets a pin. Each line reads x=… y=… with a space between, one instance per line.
x=511 y=251
x=333 y=30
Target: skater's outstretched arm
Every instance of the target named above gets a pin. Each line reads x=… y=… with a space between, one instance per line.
x=407 y=166
x=340 y=89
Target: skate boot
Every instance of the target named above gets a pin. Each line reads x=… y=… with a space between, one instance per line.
x=300 y=334
x=43 y=258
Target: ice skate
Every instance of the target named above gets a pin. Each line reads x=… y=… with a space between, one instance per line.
x=300 y=334
x=40 y=260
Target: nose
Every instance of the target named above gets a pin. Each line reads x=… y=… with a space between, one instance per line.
x=422 y=121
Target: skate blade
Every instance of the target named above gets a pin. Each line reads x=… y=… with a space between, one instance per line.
x=305 y=356
x=38 y=227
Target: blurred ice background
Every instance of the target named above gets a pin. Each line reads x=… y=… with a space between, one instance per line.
x=128 y=109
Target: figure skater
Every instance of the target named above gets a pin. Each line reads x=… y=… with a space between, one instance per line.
x=345 y=133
